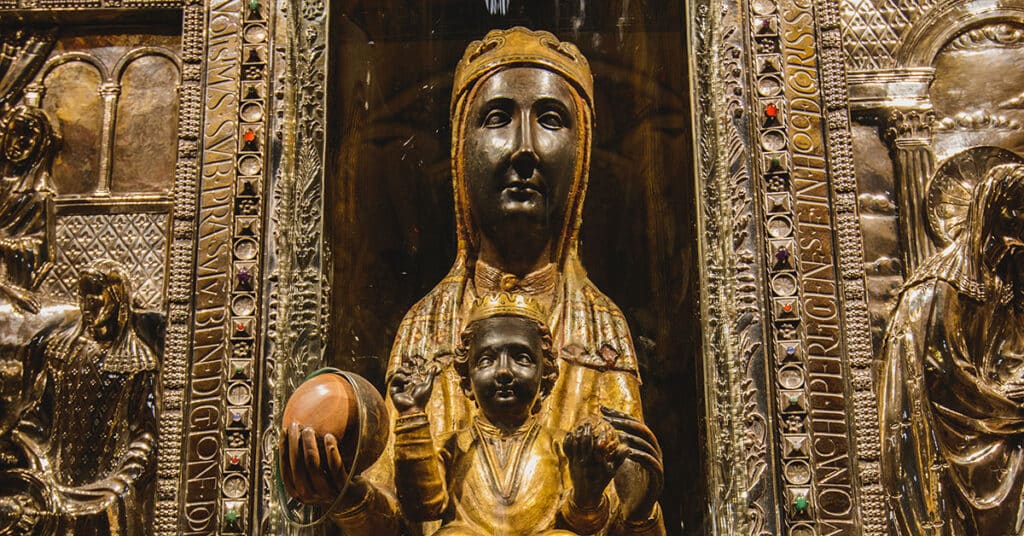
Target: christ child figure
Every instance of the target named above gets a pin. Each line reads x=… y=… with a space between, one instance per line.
x=505 y=473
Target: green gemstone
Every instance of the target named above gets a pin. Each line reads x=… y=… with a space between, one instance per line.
x=254 y=5
x=800 y=503
x=231 y=516
x=239 y=369
x=793 y=399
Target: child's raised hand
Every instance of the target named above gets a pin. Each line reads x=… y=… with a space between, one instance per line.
x=411 y=385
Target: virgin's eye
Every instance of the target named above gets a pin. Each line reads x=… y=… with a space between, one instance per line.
x=484 y=360
x=551 y=120
x=496 y=118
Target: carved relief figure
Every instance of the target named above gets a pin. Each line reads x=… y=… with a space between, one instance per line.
x=102 y=441
x=522 y=122
x=505 y=473
x=27 y=145
x=952 y=392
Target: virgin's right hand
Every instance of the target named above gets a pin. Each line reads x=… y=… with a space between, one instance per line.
x=311 y=475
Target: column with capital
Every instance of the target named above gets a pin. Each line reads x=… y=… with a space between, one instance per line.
x=909 y=136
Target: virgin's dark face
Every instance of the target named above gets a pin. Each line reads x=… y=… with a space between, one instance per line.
x=520 y=151
x=505 y=368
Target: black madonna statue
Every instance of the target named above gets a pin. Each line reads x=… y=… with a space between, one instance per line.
x=522 y=123
x=952 y=392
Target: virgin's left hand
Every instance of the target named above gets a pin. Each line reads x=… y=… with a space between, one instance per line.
x=641 y=477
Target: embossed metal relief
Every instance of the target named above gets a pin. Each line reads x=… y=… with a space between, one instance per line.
x=105 y=322
x=934 y=115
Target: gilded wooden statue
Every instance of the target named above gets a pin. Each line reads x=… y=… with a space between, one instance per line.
x=522 y=124
x=952 y=392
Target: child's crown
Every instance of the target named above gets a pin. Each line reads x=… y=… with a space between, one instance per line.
x=507 y=304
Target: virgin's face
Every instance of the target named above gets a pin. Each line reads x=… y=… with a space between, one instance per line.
x=520 y=150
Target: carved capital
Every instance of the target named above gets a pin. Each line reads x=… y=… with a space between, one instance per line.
x=906 y=127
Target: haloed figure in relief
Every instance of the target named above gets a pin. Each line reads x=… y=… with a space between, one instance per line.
x=522 y=124
x=952 y=393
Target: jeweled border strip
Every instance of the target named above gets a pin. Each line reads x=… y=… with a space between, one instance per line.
x=241 y=429
x=788 y=370
x=812 y=376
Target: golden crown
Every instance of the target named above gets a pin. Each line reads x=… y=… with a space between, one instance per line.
x=507 y=304
x=518 y=45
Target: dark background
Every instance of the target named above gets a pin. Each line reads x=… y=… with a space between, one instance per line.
x=390 y=208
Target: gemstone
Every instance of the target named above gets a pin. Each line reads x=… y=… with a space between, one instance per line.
x=235 y=460
x=800 y=503
x=249 y=136
x=793 y=399
x=239 y=369
x=791 y=350
x=254 y=5
x=775 y=163
x=782 y=255
x=788 y=308
x=239 y=327
x=771 y=110
x=244 y=277
x=236 y=416
x=766 y=25
x=231 y=516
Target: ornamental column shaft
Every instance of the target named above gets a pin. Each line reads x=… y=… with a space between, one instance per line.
x=909 y=135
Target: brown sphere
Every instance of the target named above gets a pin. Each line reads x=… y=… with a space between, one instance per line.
x=330 y=404
x=327 y=403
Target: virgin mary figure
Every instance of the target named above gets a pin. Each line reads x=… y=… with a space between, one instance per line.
x=522 y=125
x=952 y=392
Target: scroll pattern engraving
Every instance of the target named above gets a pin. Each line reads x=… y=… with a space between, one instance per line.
x=740 y=488
x=297 y=285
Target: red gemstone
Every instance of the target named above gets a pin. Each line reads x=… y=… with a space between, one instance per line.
x=788 y=308
x=249 y=136
x=771 y=111
x=235 y=460
x=240 y=326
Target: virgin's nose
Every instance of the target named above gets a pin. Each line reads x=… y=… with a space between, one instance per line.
x=524 y=159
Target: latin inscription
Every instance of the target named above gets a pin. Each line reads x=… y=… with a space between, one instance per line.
x=204 y=418
x=825 y=378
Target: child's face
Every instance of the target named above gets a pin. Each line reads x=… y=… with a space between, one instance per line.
x=506 y=367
